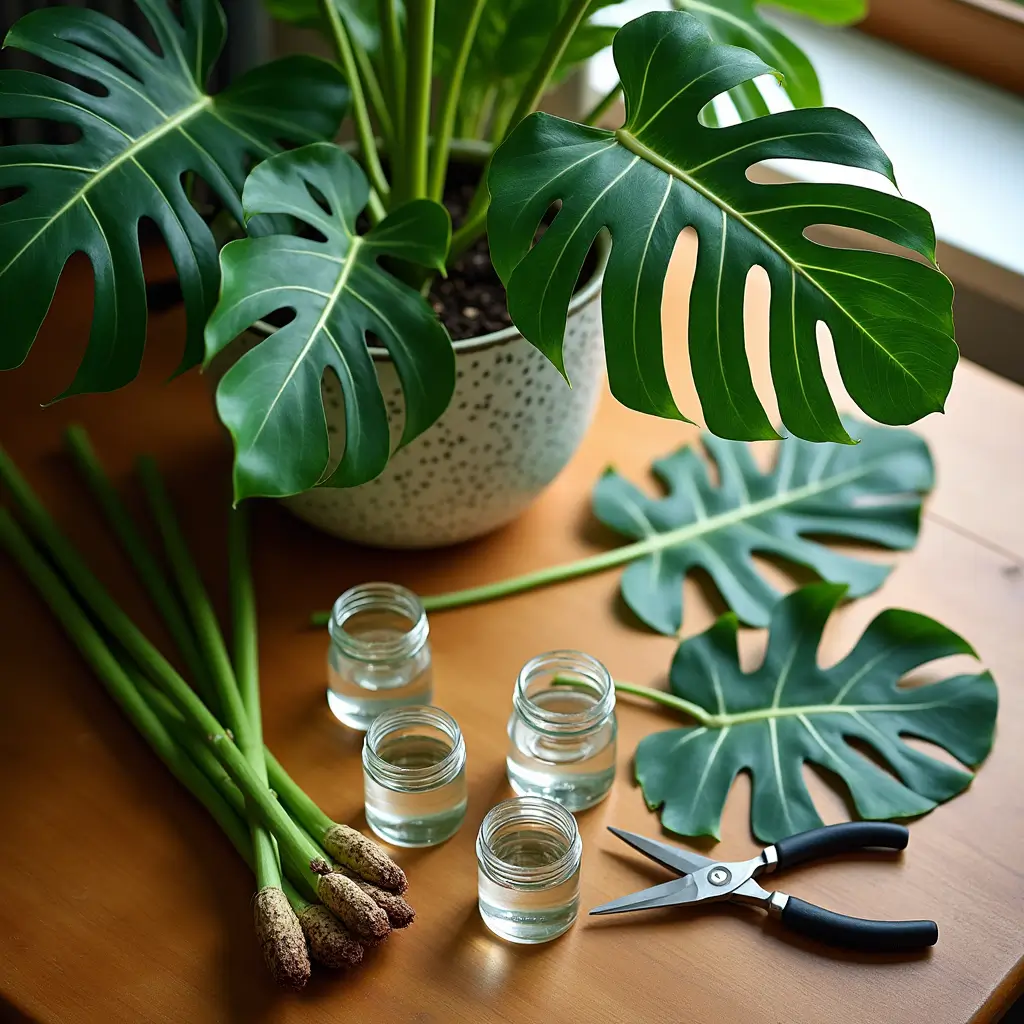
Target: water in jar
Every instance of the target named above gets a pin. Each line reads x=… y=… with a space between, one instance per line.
x=529 y=913
x=419 y=817
x=576 y=770
x=362 y=687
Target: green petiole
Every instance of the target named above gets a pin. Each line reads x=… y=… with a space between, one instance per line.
x=291 y=840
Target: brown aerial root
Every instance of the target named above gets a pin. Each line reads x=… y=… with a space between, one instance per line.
x=356 y=910
x=330 y=942
x=281 y=938
x=353 y=850
x=400 y=912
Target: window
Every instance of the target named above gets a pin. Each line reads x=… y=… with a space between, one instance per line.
x=984 y=38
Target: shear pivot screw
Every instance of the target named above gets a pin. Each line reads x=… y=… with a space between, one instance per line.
x=719 y=876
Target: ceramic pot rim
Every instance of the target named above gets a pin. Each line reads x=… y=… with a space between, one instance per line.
x=587 y=294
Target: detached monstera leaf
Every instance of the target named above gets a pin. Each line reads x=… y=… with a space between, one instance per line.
x=150 y=127
x=270 y=399
x=790 y=711
x=890 y=317
x=870 y=492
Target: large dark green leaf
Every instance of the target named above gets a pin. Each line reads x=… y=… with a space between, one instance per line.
x=870 y=492
x=890 y=317
x=790 y=711
x=739 y=23
x=270 y=399
x=151 y=125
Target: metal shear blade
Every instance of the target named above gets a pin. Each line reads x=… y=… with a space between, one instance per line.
x=668 y=894
x=705 y=881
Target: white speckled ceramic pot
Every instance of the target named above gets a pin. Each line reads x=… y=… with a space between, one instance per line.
x=512 y=425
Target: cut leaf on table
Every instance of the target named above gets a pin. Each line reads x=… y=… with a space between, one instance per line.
x=790 y=711
x=890 y=317
x=868 y=492
x=152 y=125
x=339 y=293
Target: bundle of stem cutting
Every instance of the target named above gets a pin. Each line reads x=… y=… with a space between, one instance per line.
x=318 y=882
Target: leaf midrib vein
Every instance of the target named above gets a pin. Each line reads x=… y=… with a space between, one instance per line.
x=127 y=154
x=633 y=145
x=727 y=721
x=329 y=304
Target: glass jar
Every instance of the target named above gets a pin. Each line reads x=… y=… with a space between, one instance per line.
x=562 y=730
x=379 y=656
x=528 y=853
x=414 y=776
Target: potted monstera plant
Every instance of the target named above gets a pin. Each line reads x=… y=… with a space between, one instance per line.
x=392 y=403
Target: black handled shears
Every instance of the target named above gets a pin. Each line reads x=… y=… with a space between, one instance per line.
x=706 y=880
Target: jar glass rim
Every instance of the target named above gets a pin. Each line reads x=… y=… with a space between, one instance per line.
x=398 y=776
x=590 y=675
x=535 y=810
x=379 y=597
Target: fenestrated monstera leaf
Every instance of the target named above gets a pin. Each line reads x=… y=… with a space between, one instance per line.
x=890 y=317
x=870 y=491
x=739 y=23
x=270 y=399
x=152 y=124
x=790 y=711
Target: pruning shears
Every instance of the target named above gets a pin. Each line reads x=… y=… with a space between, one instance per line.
x=705 y=880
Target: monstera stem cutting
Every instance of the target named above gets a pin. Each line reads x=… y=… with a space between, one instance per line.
x=871 y=492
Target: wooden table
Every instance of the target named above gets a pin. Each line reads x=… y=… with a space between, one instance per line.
x=120 y=901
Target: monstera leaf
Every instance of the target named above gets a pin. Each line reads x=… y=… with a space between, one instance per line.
x=144 y=129
x=788 y=712
x=869 y=492
x=889 y=316
x=270 y=399
x=739 y=23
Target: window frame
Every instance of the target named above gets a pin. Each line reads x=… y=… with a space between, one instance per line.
x=984 y=38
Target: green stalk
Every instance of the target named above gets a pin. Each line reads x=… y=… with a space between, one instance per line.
x=393 y=57
x=246 y=665
x=450 y=100
x=197 y=603
x=149 y=570
x=360 y=113
x=375 y=94
x=214 y=772
x=546 y=577
x=601 y=107
x=304 y=810
x=117 y=681
x=419 y=15
x=629 y=552
x=669 y=700
x=123 y=629
x=159 y=588
x=531 y=95
x=500 y=117
x=483 y=115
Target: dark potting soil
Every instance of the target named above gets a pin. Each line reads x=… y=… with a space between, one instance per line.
x=471 y=300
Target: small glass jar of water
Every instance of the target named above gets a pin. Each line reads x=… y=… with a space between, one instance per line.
x=414 y=776
x=379 y=656
x=562 y=730
x=528 y=855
